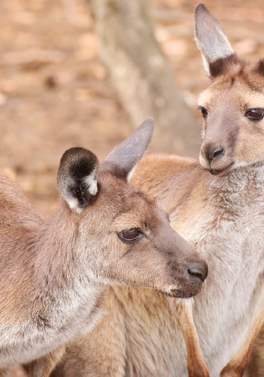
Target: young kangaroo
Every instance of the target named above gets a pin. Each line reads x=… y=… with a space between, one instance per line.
x=54 y=274
x=217 y=204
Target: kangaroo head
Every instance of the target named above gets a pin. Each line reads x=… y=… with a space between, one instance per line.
x=233 y=105
x=121 y=236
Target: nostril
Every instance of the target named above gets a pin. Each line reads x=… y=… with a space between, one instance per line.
x=218 y=153
x=198 y=270
x=214 y=152
x=195 y=274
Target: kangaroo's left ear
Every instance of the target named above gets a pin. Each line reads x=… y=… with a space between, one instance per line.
x=210 y=37
x=77 y=177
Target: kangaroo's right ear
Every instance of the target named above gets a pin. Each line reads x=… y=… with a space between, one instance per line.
x=77 y=177
x=210 y=37
x=124 y=157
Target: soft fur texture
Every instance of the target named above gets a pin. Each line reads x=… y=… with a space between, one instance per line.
x=54 y=274
x=143 y=324
x=218 y=206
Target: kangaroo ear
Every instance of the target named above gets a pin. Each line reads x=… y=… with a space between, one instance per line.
x=77 y=177
x=124 y=158
x=210 y=37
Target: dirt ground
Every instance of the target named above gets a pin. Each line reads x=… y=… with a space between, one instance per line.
x=55 y=92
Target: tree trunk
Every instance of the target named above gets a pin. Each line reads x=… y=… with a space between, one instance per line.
x=141 y=77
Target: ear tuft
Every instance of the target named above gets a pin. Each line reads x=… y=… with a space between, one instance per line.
x=77 y=177
x=210 y=37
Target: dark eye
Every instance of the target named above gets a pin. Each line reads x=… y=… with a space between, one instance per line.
x=255 y=114
x=203 y=111
x=130 y=236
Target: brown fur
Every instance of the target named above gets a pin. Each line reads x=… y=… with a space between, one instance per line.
x=256 y=364
x=218 y=207
x=221 y=66
x=54 y=274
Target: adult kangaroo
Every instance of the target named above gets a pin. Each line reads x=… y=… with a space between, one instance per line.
x=54 y=274
x=217 y=204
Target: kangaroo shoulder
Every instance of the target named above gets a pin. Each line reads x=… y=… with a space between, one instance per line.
x=156 y=170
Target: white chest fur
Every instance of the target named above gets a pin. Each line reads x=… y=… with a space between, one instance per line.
x=70 y=315
x=229 y=234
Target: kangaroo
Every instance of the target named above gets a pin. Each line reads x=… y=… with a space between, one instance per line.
x=217 y=204
x=54 y=275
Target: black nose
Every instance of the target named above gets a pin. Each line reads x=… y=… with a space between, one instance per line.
x=198 y=270
x=213 y=152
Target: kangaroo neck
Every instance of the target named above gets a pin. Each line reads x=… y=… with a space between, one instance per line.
x=66 y=286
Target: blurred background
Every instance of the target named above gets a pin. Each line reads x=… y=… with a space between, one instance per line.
x=88 y=72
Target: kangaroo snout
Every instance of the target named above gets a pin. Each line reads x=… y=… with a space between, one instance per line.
x=189 y=270
x=188 y=273
x=212 y=152
x=215 y=158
